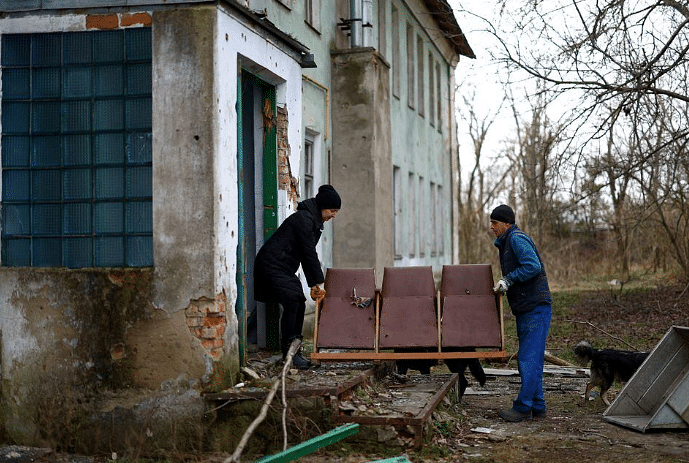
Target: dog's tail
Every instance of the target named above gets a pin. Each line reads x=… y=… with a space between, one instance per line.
x=584 y=351
x=477 y=371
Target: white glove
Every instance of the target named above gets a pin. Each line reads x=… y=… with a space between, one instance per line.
x=501 y=286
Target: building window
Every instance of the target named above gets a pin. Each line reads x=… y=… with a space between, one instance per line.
x=383 y=28
x=411 y=221
x=422 y=217
x=440 y=214
x=76 y=149
x=396 y=62
x=313 y=13
x=410 y=66
x=397 y=208
x=439 y=100
x=434 y=221
x=287 y=3
x=308 y=191
x=420 y=67
x=431 y=90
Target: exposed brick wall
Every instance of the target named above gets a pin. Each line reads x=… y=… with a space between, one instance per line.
x=286 y=180
x=113 y=21
x=206 y=319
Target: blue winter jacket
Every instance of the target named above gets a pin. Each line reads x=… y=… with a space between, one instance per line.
x=522 y=266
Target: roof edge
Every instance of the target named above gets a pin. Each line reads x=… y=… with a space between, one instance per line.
x=442 y=14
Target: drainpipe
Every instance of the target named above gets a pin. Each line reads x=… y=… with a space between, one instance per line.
x=366 y=25
x=355 y=16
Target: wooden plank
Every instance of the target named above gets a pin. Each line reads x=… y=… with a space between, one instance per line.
x=315 y=324
x=376 y=343
x=312 y=445
x=438 y=314
x=237 y=394
x=339 y=356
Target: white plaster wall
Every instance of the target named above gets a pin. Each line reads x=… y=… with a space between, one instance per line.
x=235 y=41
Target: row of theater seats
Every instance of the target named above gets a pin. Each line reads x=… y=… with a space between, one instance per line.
x=407 y=312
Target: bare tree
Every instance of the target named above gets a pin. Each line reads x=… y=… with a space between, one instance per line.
x=622 y=69
x=482 y=185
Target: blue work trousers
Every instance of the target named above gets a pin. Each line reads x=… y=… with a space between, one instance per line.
x=532 y=330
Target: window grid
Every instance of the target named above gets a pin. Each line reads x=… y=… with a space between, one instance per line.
x=396 y=59
x=434 y=221
x=420 y=69
x=312 y=13
x=431 y=90
x=440 y=213
x=423 y=221
x=76 y=149
x=308 y=168
x=410 y=66
x=397 y=208
x=411 y=221
x=439 y=101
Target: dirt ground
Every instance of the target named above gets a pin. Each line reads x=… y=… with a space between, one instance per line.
x=471 y=429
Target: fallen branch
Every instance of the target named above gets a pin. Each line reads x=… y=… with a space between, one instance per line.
x=293 y=348
x=557 y=361
x=682 y=293
x=284 y=403
x=604 y=332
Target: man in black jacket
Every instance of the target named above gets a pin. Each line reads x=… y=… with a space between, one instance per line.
x=293 y=244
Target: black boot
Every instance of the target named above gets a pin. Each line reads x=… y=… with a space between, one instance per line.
x=298 y=361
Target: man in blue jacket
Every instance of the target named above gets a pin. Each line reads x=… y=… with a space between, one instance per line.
x=294 y=244
x=526 y=284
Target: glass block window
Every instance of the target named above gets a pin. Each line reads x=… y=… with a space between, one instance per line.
x=76 y=149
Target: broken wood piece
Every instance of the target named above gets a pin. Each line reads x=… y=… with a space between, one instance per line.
x=251 y=373
x=557 y=361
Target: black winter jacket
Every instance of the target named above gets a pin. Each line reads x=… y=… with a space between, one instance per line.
x=292 y=244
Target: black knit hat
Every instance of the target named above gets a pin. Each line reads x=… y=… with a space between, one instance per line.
x=327 y=198
x=503 y=213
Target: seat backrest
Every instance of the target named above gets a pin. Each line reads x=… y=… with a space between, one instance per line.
x=470 y=280
x=408 y=281
x=339 y=282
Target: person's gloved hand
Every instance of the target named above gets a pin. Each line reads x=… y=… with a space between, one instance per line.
x=317 y=292
x=501 y=286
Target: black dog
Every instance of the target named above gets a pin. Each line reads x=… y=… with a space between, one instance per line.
x=423 y=365
x=607 y=365
x=458 y=366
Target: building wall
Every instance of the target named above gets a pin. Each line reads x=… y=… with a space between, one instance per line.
x=152 y=337
x=362 y=160
x=423 y=137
